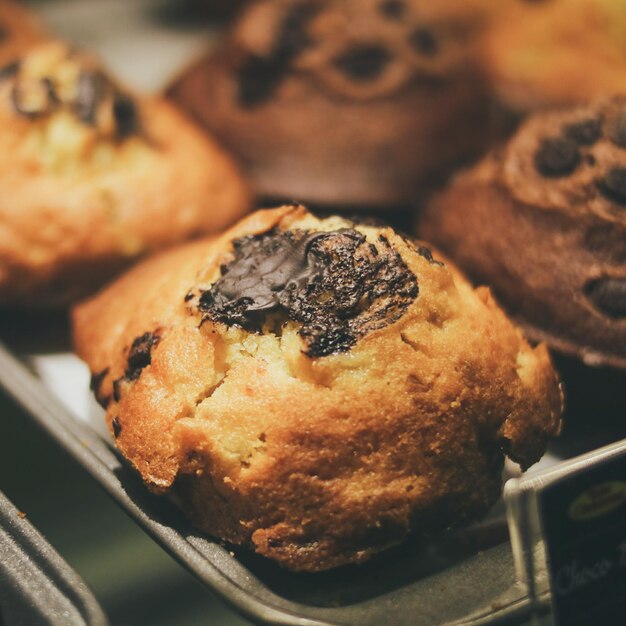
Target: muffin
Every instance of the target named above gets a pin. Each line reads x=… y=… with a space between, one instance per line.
x=543 y=221
x=92 y=177
x=346 y=103
x=557 y=53
x=315 y=389
x=19 y=31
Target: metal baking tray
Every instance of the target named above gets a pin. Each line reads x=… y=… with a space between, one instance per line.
x=465 y=578
x=37 y=587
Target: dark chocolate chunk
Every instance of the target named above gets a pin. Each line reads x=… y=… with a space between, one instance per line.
x=557 y=157
x=125 y=114
x=47 y=96
x=336 y=285
x=613 y=185
x=364 y=62
x=91 y=89
x=117 y=388
x=608 y=295
x=95 y=383
x=188 y=296
x=260 y=76
x=139 y=356
x=117 y=427
x=584 y=133
x=393 y=9
x=617 y=131
x=6 y=71
x=428 y=255
x=424 y=42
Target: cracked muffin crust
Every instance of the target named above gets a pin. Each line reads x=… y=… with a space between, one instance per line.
x=315 y=389
x=19 y=31
x=543 y=221
x=552 y=53
x=350 y=102
x=92 y=177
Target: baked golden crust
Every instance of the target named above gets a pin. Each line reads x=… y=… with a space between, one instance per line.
x=19 y=31
x=542 y=220
x=540 y=55
x=359 y=102
x=92 y=178
x=316 y=461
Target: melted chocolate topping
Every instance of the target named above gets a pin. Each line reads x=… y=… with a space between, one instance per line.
x=557 y=157
x=613 y=185
x=363 y=62
x=336 y=285
x=608 y=295
x=584 y=133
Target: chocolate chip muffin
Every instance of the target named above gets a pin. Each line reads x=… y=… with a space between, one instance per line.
x=19 y=31
x=92 y=177
x=315 y=389
x=543 y=221
x=351 y=102
x=557 y=52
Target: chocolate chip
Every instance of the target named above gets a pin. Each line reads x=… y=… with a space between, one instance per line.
x=617 y=131
x=424 y=42
x=188 y=296
x=608 y=295
x=139 y=356
x=117 y=388
x=557 y=157
x=45 y=98
x=6 y=71
x=393 y=9
x=613 y=185
x=336 y=285
x=95 y=383
x=364 y=62
x=260 y=76
x=90 y=90
x=125 y=114
x=584 y=133
x=117 y=427
x=428 y=255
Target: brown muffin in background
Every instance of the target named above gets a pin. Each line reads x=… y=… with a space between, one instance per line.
x=19 y=30
x=93 y=177
x=350 y=102
x=315 y=389
x=543 y=221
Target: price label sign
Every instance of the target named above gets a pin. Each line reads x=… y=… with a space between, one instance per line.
x=583 y=517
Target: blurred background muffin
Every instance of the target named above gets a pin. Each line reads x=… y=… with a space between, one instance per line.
x=541 y=54
x=346 y=102
x=19 y=29
x=93 y=176
x=543 y=221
